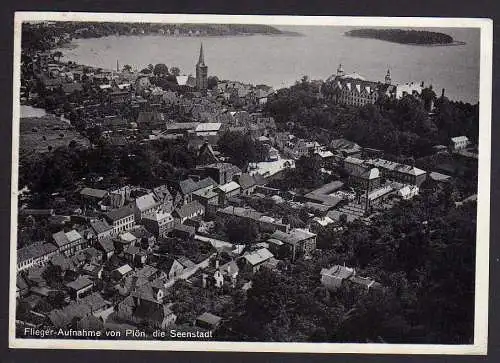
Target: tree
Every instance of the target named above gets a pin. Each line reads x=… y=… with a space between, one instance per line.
x=160 y=69
x=175 y=71
x=212 y=82
x=127 y=68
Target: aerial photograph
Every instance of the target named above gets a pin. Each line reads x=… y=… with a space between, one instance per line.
x=247 y=183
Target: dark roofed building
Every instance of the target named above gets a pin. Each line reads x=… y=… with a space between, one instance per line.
x=122 y=219
x=189 y=210
x=80 y=286
x=208 y=321
x=36 y=254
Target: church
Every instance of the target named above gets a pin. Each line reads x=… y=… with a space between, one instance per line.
x=354 y=90
x=201 y=72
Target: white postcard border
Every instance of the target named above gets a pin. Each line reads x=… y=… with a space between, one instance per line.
x=483 y=202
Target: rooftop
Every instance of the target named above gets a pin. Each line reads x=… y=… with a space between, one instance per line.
x=120 y=213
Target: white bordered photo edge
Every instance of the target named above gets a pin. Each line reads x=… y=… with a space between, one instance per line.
x=483 y=202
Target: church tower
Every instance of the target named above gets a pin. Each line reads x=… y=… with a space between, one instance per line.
x=340 y=71
x=388 y=77
x=201 y=72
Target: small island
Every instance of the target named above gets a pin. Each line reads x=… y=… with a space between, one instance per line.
x=404 y=36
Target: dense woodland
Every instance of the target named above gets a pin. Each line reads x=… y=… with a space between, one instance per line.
x=403 y=36
x=402 y=127
x=421 y=251
x=36 y=37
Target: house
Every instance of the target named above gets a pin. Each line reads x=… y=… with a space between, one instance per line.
x=79 y=287
x=160 y=223
x=208 y=131
x=145 y=238
x=92 y=270
x=124 y=241
x=145 y=205
x=221 y=173
x=208 y=321
x=186 y=188
x=459 y=143
x=191 y=210
x=122 y=219
x=183 y=232
x=333 y=277
x=247 y=183
x=92 y=196
x=122 y=272
x=36 y=254
x=265 y=223
x=68 y=243
x=218 y=274
x=107 y=246
x=299 y=242
x=101 y=229
x=346 y=148
x=255 y=259
x=364 y=179
x=227 y=190
x=405 y=174
x=170 y=266
x=318 y=223
x=164 y=197
x=206 y=197
x=135 y=255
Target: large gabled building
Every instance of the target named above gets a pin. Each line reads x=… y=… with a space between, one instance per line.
x=354 y=90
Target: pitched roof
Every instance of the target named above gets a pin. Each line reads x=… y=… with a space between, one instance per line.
x=96 y=193
x=206 y=182
x=124 y=269
x=107 y=244
x=338 y=271
x=146 y=202
x=259 y=256
x=80 y=283
x=228 y=187
x=209 y=318
x=120 y=213
x=208 y=127
x=187 y=186
x=73 y=236
x=189 y=209
x=100 y=226
x=293 y=237
x=246 y=181
x=60 y=238
x=35 y=250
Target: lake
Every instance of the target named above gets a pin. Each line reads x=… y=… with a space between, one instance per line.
x=281 y=60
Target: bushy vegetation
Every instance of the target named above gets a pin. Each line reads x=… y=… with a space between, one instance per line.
x=402 y=36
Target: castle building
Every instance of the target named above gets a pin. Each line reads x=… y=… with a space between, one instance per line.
x=201 y=72
x=354 y=90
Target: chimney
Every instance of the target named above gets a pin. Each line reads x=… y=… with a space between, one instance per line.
x=442 y=93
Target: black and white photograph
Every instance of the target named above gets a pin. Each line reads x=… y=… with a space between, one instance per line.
x=250 y=183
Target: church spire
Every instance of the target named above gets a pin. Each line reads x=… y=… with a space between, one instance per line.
x=201 y=60
x=388 y=77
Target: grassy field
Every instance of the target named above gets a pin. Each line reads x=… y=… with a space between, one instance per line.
x=42 y=134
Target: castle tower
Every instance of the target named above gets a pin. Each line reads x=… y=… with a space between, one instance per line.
x=340 y=71
x=201 y=72
x=388 y=77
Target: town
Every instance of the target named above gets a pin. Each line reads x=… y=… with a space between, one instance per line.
x=155 y=201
